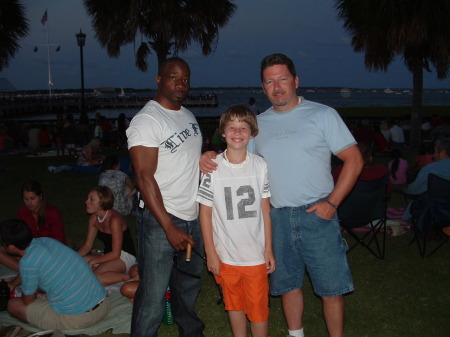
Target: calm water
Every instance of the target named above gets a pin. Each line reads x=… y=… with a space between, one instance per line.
x=333 y=97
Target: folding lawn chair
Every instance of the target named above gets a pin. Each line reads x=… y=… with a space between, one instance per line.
x=431 y=213
x=363 y=215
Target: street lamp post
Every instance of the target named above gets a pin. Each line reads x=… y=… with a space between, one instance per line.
x=81 y=39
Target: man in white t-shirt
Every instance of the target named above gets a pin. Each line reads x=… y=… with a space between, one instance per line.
x=164 y=142
x=397 y=135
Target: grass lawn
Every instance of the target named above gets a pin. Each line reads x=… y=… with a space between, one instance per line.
x=404 y=295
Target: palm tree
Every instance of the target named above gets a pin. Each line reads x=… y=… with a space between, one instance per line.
x=419 y=30
x=166 y=26
x=13 y=27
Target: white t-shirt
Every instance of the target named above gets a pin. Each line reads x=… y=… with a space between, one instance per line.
x=397 y=134
x=177 y=135
x=235 y=191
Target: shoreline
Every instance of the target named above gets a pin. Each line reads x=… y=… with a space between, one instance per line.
x=370 y=112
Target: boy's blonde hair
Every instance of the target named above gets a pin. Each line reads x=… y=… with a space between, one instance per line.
x=242 y=114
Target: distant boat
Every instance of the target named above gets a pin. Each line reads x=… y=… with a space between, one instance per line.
x=122 y=93
x=388 y=91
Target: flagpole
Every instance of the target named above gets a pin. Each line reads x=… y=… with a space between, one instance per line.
x=50 y=83
x=44 y=21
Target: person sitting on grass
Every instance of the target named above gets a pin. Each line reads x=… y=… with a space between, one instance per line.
x=119 y=183
x=440 y=167
x=43 y=220
x=131 y=284
x=6 y=142
x=369 y=171
x=398 y=168
x=74 y=298
x=236 y=227
x=110 y=227
x=424 y=157
x=89 y=159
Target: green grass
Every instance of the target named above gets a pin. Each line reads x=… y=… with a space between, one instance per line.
x=404 y=295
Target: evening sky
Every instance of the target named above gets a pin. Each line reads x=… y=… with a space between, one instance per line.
x=306 y=30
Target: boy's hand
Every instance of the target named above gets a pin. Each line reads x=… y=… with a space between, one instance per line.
x=270 y=262
x=206 y=164
x=213 y=263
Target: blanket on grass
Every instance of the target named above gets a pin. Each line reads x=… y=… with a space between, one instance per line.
x=118 y=319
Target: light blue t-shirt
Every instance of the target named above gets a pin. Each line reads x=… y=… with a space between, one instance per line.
x=297 y=146
x=440 y=168
x=70 y=285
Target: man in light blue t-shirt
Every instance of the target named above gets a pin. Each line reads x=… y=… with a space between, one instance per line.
x=440 y=167
x=74 y=297
x=297 y=138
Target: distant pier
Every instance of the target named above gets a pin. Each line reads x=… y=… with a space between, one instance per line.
x=14 y=106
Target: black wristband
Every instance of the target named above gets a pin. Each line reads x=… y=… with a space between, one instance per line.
x=331 y=204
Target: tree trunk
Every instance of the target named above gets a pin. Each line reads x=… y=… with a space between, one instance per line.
x=416 y=108
x=162 y=49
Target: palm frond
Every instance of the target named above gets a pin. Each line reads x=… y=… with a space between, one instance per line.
x=13 y=27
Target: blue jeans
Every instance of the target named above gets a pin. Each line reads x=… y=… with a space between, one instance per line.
x=157 y=272
x=302 y=241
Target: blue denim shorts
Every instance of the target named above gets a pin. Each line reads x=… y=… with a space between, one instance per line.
x=304 y=240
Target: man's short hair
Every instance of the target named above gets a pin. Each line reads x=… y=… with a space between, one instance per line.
x=15 y=232
x=277 y=59
x=105 y=196
x=242 y=114
x=164 y=63
x=443 y=145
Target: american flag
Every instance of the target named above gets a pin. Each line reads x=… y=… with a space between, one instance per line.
x=44 y=18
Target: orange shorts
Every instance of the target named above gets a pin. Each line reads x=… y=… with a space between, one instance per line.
x=245 y=288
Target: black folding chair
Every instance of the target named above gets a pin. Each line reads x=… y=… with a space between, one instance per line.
x=363 y=215
x=431 y=213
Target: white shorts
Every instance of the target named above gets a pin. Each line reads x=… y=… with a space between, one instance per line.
x=128 y=259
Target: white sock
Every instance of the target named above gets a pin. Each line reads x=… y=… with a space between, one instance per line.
x=296 y=333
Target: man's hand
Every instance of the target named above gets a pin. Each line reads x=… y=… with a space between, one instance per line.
x=178 y=238
x=206 y=164
x=323 y=210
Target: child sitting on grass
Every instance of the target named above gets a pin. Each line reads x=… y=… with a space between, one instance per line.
x=236 y=226
x=119 y=183
x=398 y=168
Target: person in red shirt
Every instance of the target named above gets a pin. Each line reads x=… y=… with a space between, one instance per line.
x=43 y=219
x=369 y=172
x=425 y=157
x=44 y=137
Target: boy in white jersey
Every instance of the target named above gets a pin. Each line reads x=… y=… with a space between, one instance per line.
x=236 y=227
